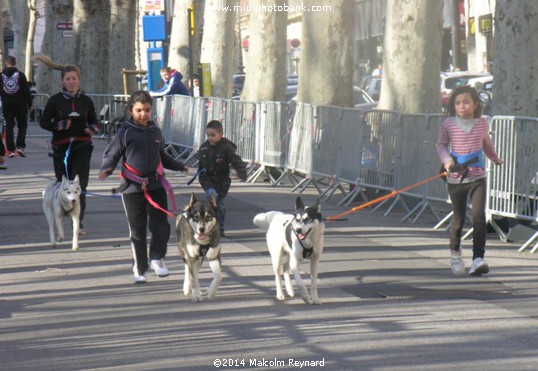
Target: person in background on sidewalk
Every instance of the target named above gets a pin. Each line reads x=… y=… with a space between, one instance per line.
x=216 y=155
x=140 y=146
x=70 y=116
x=172 y=83
x=16 y=101
x=463 y=136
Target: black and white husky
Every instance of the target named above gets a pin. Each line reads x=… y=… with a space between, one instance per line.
x=62 y=200
x=291 y=239
x=198 y=237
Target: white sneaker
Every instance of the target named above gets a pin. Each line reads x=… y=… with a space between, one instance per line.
x=158 y=267
x=479 y=267
x=137 y=278
x=456 y=263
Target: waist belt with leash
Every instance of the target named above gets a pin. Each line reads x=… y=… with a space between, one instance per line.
x=463 y=162
x=130 y=173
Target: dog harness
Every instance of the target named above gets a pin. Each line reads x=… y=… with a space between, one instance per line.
x=129 y=172
x=307 y=251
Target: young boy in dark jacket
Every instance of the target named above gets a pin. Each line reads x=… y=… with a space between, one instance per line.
x=216 y=155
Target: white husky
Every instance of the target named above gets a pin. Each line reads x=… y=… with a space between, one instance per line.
x=62 y=199
x=291 y=239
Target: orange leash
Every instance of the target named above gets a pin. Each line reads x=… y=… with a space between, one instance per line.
x=385 y=197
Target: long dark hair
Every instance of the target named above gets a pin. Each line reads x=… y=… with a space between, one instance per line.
x=474 y=96
x=139 y=96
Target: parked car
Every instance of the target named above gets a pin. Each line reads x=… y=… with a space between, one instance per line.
x=451 y=80
x=362 y=99
x=238 y=82
x=485 y=92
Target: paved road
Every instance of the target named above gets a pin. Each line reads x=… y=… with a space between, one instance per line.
x=390 y=301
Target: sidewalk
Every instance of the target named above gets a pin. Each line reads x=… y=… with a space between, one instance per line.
x=390 y=301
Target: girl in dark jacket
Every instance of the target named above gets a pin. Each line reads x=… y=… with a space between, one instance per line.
x=70 y=116
x=140 y=146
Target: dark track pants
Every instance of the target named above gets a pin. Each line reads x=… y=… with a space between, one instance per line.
x=15 y=113
x=138 y=211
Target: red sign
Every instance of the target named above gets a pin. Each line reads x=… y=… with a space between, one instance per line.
x=64 y=26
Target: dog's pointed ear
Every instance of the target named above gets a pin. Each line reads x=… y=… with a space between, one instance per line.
x=192 y=201
x=317 y=205
x=77 y=179
x=213 y=201
x=299 y=205
x=63 y=179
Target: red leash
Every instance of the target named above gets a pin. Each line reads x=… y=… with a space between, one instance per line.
x=131 y=173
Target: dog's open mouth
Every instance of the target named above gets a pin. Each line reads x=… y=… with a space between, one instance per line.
x=201 y=236
x=301 y=236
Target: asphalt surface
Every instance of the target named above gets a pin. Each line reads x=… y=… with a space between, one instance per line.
x=390 y=301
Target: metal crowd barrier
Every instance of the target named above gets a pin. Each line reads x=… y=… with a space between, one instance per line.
x=331 y=148
x=513 y=187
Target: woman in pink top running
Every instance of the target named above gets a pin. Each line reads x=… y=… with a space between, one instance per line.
x=464 y=138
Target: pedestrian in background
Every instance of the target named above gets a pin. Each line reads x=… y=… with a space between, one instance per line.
x=216 y=155
x=16 y=101
x=139 y=144
x=464 y=136
x=70 y=116
x=172 y=83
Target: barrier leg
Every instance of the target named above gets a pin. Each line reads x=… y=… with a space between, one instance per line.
x=529 y=242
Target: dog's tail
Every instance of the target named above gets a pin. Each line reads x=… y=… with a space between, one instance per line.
x=263 y=220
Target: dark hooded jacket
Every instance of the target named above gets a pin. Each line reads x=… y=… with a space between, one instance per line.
x=14 y=87
x=216 y=161
x=141 y=147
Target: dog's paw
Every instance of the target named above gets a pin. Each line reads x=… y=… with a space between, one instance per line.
x=197 y=298
x=307 y=300
x=211 y=293
x=280 y=297
x=316 y=302
x=59 y=239
x=290 y=293
x=75 y=248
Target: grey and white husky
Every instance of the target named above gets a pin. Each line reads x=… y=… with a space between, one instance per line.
x=292 y=239
x=62 y=200
x=198 y=237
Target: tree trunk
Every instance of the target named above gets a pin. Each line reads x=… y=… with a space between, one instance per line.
x=91 y=27
x=123 y=25
x=178 y=56
x=19 y=20
x=34 y=14
x=266 y=65
x=412 y=56
x=516 y=53
x=326 y=68
x=59 y=48
x=218 y=44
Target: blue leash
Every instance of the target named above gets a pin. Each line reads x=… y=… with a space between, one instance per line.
x=67 y=153
x=201 y=171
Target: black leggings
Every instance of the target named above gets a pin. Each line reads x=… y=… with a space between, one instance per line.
x=459 y=193
x=138 y=211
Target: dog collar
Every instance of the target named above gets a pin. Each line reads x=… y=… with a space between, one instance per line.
x=307 y=251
